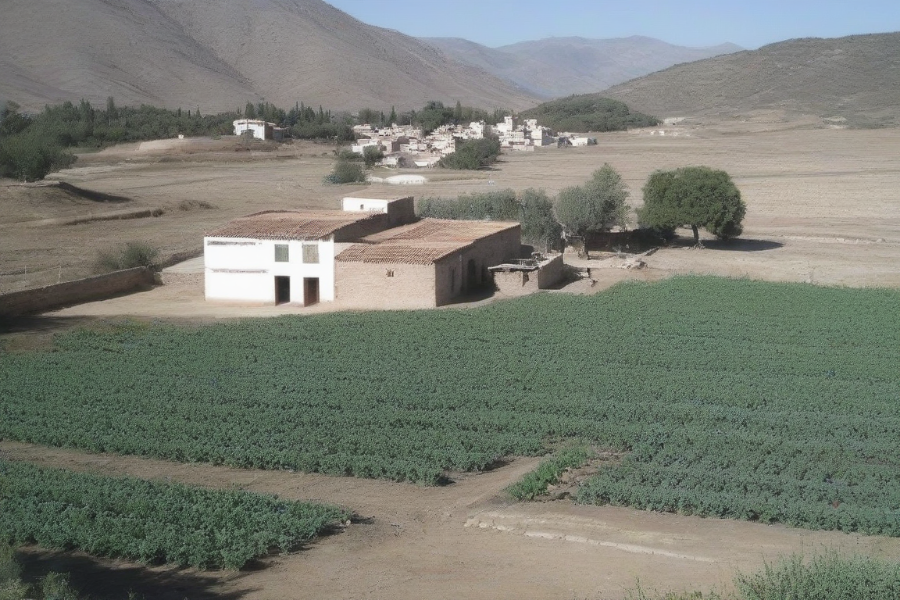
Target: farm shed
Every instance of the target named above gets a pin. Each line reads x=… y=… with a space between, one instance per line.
x=276 y=257
x=528 y=275
x=424 y=264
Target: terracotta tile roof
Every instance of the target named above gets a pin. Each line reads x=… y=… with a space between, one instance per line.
x=397 y=253
x=442 y=230
x=289 y=225
x=421 y=243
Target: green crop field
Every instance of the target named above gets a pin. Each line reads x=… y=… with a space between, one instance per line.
x=150 y=521
x=772 y=402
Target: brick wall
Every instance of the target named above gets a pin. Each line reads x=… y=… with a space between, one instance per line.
x=384 y=285
x=466 y=269
x=75 y=292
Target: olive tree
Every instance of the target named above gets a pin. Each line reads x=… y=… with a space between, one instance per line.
x=693 y=197
x=598 y=205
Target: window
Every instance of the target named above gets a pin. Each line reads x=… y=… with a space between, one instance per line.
x=281 y=253
x=390 y=273
x=311 y=254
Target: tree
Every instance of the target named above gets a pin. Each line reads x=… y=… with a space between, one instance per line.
x=472 y=154
x=249 y=111
x=693 y=197
x=371 y=155
x=346 y=172
x=598 y=205
x=539 y=225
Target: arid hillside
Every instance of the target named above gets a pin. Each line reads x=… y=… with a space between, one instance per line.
x=218 y=54
x=851 y=81
x=555 y=67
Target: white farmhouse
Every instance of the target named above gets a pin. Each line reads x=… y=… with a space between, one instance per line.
x=258 y=129
x=277 y=257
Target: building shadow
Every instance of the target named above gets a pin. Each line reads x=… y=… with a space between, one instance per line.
x=106 y=579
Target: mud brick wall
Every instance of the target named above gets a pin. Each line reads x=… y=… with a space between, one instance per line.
x=79 y=291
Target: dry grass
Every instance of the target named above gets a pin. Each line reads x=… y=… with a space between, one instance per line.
x=822 y=203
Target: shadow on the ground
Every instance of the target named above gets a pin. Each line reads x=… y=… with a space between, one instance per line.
x=737 y=245
x=103 y=579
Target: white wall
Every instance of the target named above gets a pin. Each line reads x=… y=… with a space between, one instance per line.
x=364 y=205
x=257 y=127
x=242 y=270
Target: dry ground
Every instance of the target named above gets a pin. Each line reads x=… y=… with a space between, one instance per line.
x=823 y=206
x=463 y=540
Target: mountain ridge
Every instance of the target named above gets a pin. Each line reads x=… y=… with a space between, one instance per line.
x=852 y=79
x=562 y=66
x=219 y=54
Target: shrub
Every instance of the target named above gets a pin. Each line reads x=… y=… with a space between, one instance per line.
x=548 y=472
x=472 y=154
x=346 y=172
x=131 y=255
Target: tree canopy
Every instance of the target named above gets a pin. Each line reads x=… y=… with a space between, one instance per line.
x=693 y=197
x=588 y=112
x=472 y=154
x=597 y=205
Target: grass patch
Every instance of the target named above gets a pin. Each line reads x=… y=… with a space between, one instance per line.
x=535 y=484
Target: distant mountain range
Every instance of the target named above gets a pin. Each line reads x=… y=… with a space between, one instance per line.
x=555 y=67
x=218 y=54
x=853 y=80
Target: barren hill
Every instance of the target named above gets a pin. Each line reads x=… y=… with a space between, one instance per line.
x=55 y=50
x=556 y=67
x=853 y=80
x=217 y=54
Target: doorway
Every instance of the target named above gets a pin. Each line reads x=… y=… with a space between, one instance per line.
x=310 y=291
x=282 y=290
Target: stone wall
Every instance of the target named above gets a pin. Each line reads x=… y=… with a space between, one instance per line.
x=79 y=291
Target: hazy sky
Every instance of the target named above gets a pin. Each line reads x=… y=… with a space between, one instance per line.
x=683 y=22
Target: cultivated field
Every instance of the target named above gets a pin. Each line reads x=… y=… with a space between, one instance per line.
x=731 y=388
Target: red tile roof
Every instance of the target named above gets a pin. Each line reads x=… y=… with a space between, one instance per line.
x=421 y=243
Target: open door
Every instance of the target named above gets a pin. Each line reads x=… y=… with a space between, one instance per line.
x=282 y=290
x=310 y=291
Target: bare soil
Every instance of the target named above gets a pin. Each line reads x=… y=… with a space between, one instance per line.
x=463 y=540
x=823 y=208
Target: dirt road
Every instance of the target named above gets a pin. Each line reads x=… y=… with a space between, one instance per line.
x=463 y=540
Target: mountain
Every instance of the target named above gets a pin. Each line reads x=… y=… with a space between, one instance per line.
x=54 y=50
x=218 y=54
x=555 y=67
x=855 y=78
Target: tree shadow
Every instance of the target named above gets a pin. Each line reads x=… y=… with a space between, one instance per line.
x=732 y=245
x=106 y=579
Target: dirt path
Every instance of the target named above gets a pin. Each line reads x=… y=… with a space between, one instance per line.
x=464 y=540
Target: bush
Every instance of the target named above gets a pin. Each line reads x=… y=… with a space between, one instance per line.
x=133 y=254
x=371 y=155
x=30 y=157
x=472 y=154
x=535 y=483
x=346 y=172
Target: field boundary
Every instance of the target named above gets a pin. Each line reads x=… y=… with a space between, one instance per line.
x=99 y=287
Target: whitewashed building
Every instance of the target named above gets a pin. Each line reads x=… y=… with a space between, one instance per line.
x=278 y=257
x=258 y=129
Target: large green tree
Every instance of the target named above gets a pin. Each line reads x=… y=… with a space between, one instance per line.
x=598 y=205
x=539 y=225
x=693 y=197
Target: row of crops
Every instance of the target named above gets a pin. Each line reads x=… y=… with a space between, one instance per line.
x=148 y=521
x=773 y=402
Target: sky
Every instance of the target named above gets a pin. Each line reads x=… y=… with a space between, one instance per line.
x=695 y=23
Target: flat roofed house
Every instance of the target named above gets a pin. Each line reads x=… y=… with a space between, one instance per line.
x=425 y=264
x=276 y=257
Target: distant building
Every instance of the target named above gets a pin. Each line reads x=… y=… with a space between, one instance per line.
x=260 y=130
